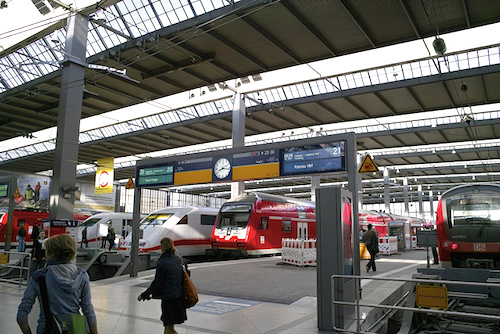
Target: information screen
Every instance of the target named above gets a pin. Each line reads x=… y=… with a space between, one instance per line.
x=155 y=175
x=4 y=189
x=312 y=159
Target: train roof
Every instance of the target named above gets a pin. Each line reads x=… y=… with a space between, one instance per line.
x=254 y=196
x=463 y=188
x=185 y=209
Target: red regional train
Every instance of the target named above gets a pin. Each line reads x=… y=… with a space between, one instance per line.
x=468 y=226
x=28 y=218
x=255 y=223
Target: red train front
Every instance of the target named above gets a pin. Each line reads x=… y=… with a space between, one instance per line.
x=468 y=225
x=256 y=223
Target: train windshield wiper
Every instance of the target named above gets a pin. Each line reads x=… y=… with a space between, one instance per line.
x=483 y=225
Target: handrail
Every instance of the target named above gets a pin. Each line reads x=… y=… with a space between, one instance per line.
x=357 y=303
x=19 y=264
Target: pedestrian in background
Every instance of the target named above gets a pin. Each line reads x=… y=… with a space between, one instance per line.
x=68 y=286
x=38 y=253
x=167 y=286
x=84 y=238
x=111 y=237
x=370 y=238
x=21 y=234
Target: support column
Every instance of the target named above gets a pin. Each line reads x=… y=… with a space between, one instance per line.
x=315 y=184
x=405 y=192
x=387 y=193
x=62 y=192
x=420 y=202
x=431 y=203
x=359 y=180
x=238 y=135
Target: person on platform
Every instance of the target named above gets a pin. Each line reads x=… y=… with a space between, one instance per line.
x=21 y=234
x=111 y=237
x=167 y=286
x=38 y=253
x=35 y=231
x=68 y=286
x=84 y=238
x=370 y=238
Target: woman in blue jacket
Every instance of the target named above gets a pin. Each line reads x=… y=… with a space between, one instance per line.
x=167 y=286
x=68 y=286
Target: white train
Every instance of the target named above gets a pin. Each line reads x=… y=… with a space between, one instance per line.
x=190 y=227
x=99 y=224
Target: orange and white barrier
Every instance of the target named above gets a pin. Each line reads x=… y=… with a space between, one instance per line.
x=299 y=252
x=388 y=245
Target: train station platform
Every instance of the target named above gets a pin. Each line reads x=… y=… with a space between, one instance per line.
x=247 y=296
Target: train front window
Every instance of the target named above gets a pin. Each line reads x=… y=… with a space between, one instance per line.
x=477 y=211
x=234 y=216
x=90 y=222
x=156 y=220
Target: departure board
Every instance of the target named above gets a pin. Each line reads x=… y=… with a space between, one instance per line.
x=155 y=175
x=4 y=189
x=312 y=159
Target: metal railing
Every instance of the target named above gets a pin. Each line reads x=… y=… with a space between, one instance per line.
x=16 y=268
x=357 y=304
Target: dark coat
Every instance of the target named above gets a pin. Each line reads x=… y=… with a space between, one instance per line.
x=167 y=283
x=370 y=238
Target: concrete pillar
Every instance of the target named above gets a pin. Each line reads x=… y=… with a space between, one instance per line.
x=62 y=192
x=238 y=136
x=431 y=203
x=420 y=202
x=387 y=193
x=315 y=184
x=405 y=190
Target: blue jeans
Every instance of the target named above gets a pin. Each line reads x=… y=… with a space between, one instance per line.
x=22 y=245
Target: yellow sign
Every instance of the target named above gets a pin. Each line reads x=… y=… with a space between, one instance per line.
x=104 y=176
x=432 y=296
x=4 y=258
x=130 y=184
x=368 y=166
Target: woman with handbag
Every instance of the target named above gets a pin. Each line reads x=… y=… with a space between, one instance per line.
x=167 y=286
x=62 y=288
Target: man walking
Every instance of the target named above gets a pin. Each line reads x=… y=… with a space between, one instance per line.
x=370 y=238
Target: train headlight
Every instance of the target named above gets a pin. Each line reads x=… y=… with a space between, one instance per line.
x=454 y=246
x=445 y=244
x=142 y=243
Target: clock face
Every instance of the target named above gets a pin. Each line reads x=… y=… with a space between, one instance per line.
x=222 y=168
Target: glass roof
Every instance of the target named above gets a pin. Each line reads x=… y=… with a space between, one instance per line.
x=276 y=97
x=128 y=19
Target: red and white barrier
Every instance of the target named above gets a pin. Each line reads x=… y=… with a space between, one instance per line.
x=414 y=243
x=388 y=245
x=299 y=252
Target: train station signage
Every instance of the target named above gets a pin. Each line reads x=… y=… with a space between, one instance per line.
x=4 y=189
x=250 y=165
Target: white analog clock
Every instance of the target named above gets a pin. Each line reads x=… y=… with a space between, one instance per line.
x=222 y=168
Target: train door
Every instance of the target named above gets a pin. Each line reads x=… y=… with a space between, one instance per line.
x=302 y=232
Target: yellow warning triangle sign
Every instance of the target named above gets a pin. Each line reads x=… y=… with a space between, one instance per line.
x=368 y=166
x=130 y=184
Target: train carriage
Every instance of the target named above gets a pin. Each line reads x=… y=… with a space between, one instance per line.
x=188 y=226
x=255 y=223
x=468 y=226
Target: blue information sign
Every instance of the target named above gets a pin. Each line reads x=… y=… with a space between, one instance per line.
x=312 y=159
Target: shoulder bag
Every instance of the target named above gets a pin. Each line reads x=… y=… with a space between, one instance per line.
x=61 y=323
x=188 y=289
